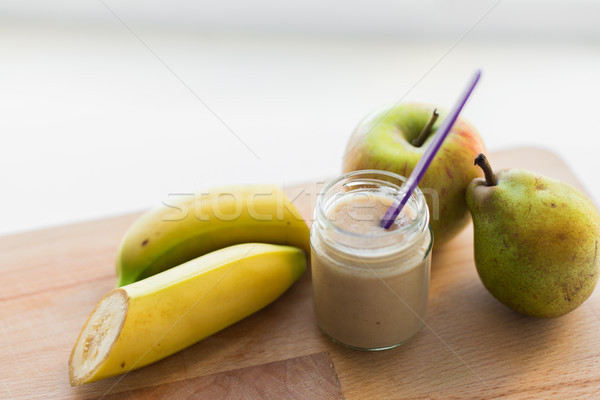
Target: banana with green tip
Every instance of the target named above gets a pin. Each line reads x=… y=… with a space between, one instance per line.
x=189 y=226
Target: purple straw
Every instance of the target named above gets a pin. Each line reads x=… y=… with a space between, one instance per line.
x=415 y=177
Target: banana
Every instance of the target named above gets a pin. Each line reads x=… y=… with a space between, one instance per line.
x=143 y=322
x=187 y=227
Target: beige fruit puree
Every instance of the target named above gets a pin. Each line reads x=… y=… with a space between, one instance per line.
x=370 y=285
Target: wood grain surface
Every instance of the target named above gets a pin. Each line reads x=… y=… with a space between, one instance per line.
x=472 y=346
x=300 y=378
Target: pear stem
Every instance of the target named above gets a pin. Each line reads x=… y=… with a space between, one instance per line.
x=483 y=163
x=418 y=141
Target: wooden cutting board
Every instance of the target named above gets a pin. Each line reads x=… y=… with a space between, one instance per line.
x=472 y=347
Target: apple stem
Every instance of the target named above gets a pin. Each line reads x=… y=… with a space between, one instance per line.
x=418 y=141
x=483 y=163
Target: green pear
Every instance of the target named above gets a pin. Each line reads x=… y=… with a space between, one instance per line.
x=535 y=240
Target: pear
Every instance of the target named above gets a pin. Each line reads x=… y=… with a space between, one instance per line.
x=535 y=240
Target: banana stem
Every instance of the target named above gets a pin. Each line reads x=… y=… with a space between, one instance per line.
x=483 y=163
x=418 y=141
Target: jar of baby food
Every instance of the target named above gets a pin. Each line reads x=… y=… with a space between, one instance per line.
x=370 y=284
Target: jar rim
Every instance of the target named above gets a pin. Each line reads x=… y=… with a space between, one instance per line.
x=417 y=197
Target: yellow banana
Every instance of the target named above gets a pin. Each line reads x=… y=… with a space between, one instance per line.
x=145 y=321
x=186 y=227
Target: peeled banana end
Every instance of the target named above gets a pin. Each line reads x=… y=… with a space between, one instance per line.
x=97 y=337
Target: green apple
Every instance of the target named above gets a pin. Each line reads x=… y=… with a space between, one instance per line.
x=394 y=138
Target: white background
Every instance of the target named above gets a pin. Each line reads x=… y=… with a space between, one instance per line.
x=106 y=107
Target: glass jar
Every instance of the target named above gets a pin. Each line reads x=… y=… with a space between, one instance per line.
x=370 y=285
